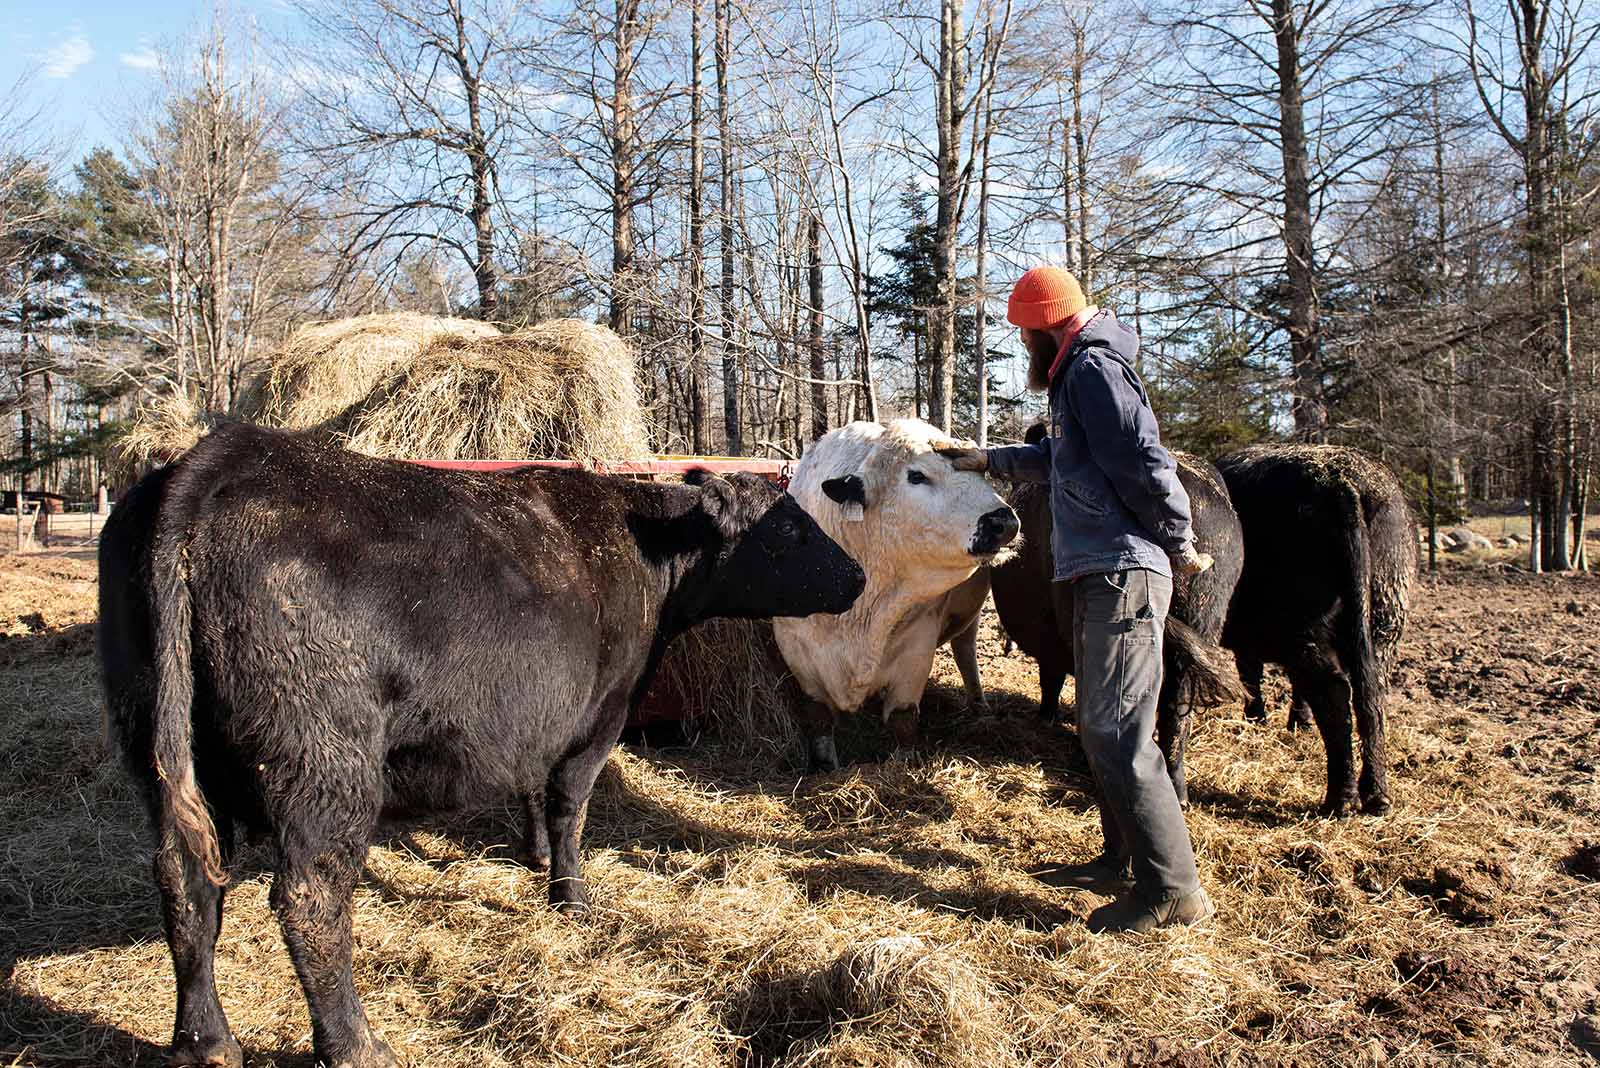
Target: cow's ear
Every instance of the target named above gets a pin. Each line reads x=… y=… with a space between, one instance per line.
x=850 y=493
x=719 y=501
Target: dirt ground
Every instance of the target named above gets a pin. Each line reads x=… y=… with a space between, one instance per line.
x=884 y=915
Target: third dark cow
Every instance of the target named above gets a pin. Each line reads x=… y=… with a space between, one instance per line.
x=1330 y=551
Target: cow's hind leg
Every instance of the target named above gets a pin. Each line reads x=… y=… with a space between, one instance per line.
x=311 y=895
x=1174 y=715
x=535 y=848
x=1052 y=679
x=964 y=647
x=1301 y=716
x=191 y=911
x=1252 y=673
x=566 y=803
x=1327 y=690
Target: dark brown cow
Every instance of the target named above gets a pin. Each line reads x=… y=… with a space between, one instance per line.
x=296 y=639
x=1197 y=670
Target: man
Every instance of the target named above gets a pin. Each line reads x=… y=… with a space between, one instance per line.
x=1121 y=531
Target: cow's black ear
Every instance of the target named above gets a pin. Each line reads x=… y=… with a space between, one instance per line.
x=697 y=476
x=846 y=489
x=1035 y=434
x=719 y=501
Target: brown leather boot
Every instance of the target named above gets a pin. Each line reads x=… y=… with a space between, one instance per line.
x=1133 y=913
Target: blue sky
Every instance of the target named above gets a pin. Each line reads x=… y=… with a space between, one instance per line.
x=91 y=56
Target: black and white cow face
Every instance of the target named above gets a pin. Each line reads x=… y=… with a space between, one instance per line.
x=901 y=505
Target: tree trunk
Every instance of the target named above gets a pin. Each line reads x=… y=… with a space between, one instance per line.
x=1068 y=199
x=980 y=311
x=483 y=267
x=819 y=392
x=1305 y=346
x=731 y=416
x=623 y=136
x=1080 y=148
x=698 y=371
x=950 y=88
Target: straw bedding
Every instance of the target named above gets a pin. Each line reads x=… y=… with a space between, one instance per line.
x=884 y=915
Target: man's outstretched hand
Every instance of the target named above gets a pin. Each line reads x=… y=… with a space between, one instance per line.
x=965 y=459
x=1189 y=562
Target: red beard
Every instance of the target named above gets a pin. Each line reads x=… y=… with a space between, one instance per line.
x=1042 y=351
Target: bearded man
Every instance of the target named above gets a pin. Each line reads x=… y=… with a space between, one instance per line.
x=1122 y=530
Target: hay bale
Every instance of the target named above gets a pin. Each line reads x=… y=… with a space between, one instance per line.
x=727 y=677
x=162 y=431
x=408 y=386
x=325 y=373
x=563 y=389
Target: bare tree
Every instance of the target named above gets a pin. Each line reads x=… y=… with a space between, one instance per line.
x=1281 y=107
x=208 y=161
x=958 y=105
x=1530 y=71
x=411 y=114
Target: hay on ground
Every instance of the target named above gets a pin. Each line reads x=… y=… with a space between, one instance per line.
x=882 y=916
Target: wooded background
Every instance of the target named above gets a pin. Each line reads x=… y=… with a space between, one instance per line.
x=1353 y=222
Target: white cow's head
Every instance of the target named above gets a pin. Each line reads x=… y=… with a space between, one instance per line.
x=898 y=507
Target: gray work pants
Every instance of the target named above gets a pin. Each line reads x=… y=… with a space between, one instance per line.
x=1117 y=623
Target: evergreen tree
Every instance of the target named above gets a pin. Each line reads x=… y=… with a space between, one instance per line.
x=1222 y=401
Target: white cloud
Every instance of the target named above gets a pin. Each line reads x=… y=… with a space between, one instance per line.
x=143 y=59
x=61 y=60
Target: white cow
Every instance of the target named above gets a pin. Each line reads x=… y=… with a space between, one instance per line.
x=924 y=533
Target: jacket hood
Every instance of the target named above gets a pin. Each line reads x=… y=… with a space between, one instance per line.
x=1106 y=332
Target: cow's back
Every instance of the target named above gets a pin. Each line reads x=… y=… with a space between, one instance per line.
x=1298 y=505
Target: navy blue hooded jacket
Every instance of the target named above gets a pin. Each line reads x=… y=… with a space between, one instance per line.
x=1114 y=491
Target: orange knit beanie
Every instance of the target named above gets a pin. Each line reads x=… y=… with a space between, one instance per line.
x=1045 y=297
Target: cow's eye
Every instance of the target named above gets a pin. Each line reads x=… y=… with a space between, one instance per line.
x=786 y=529
x=915 y=477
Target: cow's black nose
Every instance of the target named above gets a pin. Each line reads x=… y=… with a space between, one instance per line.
x=996 y=529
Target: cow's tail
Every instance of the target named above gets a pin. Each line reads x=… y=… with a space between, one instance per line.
x=183 y=821
x=1207 y=670
x=1366 y=674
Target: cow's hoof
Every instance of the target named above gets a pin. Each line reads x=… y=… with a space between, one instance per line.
x=1377 y=806
x=190 y=1050
x=1340 y=808
x=536 y=861
x=377 y=1054
x=824 y=754
x=1255 y=712
x=576 y=908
